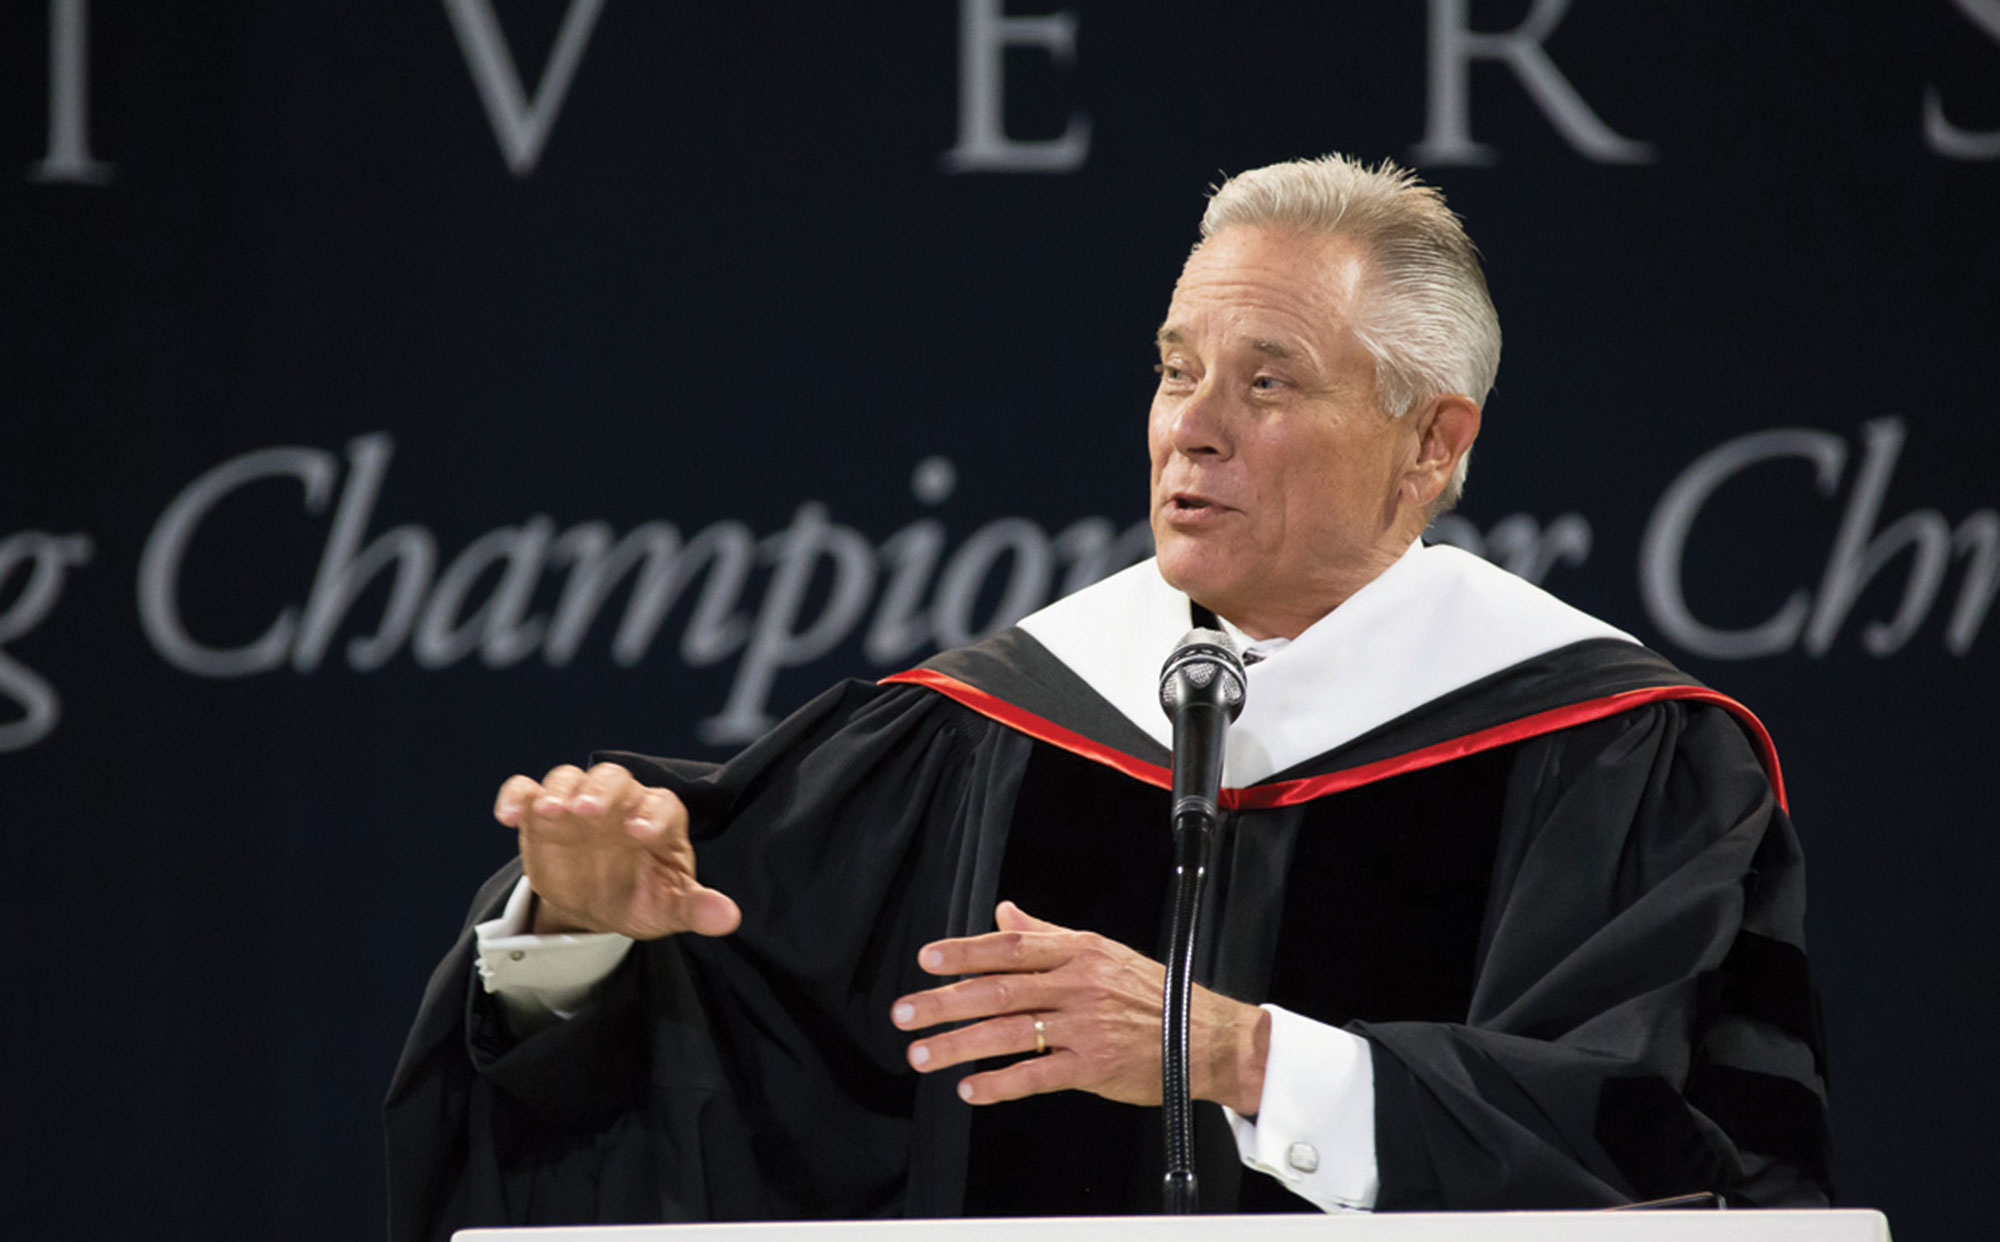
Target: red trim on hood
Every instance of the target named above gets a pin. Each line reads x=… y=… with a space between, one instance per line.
x=995 y=708
x=1305 y=789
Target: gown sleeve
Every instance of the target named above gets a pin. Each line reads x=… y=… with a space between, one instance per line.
x=754 y=1076
x=1642 y=1022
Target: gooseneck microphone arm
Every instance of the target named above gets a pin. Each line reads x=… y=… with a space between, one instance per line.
x=1201 y=690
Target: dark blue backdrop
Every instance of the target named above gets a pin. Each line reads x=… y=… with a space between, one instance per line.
x=350 y=345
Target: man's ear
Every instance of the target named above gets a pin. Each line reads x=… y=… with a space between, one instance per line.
x=1445 y=428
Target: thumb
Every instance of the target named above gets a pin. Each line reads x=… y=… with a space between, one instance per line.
x=710 y=913
x=658 y=830
x=1009 y=917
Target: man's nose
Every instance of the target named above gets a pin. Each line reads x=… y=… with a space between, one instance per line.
x=1203 y=425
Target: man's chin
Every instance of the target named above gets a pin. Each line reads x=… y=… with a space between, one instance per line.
x=1193 y=573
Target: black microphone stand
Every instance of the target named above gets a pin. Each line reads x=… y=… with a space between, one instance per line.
x=1201 y=690
x=1193 y=831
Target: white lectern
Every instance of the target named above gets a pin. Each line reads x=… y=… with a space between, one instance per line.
x=1654 y=1226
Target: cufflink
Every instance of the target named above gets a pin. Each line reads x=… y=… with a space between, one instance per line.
x=1302 y=1156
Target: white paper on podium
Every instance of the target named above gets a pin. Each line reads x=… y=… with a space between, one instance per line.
x=1845 y=1225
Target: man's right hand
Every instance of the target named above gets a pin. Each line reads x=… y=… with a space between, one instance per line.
x=607 y=854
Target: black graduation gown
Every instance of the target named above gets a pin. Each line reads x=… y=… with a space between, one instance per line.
x=1563 y=905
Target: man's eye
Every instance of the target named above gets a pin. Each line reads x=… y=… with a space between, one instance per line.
x=1265 y=383
x=1168 y=371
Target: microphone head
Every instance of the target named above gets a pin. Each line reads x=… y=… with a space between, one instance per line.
x=1204 y=667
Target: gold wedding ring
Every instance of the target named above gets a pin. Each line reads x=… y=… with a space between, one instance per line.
x=1041 y=1038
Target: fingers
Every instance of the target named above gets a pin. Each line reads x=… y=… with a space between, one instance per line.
x=1059 y=1071
x=1009 y=917
x=556 y=788
x=999 y=951
x=607 y=853
x=516 y=794
x=982 y=997
x=607 y=786
x=1012 y=969
x=568 y=790
x=1096 y=1001
x=655 y=815
x=1023 y=942
x=1007 y=1035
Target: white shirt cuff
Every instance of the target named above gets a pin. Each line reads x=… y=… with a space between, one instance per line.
x=539 y=980
x=1315 y=1125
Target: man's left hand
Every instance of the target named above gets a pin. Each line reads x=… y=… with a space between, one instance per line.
x=1098 y=1005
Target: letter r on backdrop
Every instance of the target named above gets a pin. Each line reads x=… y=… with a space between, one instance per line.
x=1453 y=48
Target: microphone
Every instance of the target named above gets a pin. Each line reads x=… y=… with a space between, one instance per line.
x=1201 y=690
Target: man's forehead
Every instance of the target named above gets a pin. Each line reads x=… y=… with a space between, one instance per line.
x=1266 y=286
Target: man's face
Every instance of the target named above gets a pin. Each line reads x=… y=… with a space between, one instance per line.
x=1275 y=469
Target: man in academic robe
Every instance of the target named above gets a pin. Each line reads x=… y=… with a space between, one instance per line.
x=1504 y=911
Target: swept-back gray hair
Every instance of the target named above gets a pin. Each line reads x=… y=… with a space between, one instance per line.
x=1423 y=312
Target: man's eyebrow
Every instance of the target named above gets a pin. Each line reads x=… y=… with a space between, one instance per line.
x=1167 y=335
x=1273 y=348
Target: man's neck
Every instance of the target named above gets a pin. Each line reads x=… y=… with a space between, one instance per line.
x=1259 y=623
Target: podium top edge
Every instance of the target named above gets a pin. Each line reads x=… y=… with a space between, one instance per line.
x=1742 y=1225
